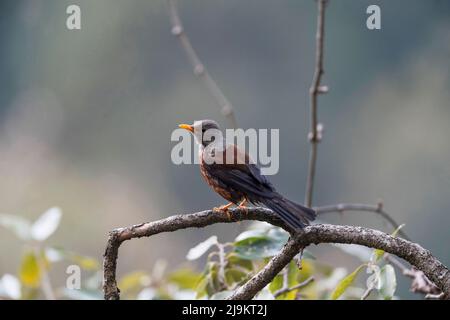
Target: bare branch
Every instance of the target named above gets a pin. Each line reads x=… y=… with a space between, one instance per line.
x=296 y=287
x=366 y=293
x=198 y=67
x=222 y=262
x=315 y=134
x=285 y=285
x=417 y=256
x=411 y=252
x=439 y=296
x=378 y=209
x=420 y=283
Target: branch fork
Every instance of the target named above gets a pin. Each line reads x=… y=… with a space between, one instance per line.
x=417 y=256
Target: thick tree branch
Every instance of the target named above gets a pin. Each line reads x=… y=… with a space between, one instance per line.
x=266 y=275
x=315 y=134
x=199 y=68
x=417 y=256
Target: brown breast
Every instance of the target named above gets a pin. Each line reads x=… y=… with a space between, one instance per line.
x=225 y=192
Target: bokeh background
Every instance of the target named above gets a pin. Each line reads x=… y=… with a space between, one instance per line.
x=86 y=116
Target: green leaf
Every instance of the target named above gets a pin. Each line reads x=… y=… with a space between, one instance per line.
x=30 y=273
x=378 y=253
x=185 y=278
x=237 y=269
x=235 y=275
x=46 y=224
x=201 y=248
x=213 y=279
x=345 y=283
x=276 y=283
x=235 y=260
x=274 y=234
x=258 y=249
x=20 y=226
x=251 y=234
x=209 y=282
x=201 y=287
x=308 y=269
x=388 y=282
x=260 y=244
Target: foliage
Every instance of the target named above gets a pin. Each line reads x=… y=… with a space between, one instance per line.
x=382 y=277
x=38 y=258
x=227 y=266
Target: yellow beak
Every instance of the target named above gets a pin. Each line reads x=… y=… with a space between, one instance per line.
x=187 y=127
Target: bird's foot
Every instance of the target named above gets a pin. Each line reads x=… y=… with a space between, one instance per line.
x=224 y=209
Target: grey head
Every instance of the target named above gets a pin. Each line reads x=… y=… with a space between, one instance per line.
x=205 y=131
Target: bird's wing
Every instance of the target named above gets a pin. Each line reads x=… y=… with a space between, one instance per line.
x=241 y=174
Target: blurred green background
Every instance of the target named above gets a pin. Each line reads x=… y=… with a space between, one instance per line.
x=86 y=116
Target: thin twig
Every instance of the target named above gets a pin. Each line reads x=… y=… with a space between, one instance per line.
x=378 y=209
x=417 y=256
x=438 y=296
x=285 y=285
x=420 y=282
x=222 y=263
x=366 y=293
x=296 y=287
x=199 y=68
x=315 y=134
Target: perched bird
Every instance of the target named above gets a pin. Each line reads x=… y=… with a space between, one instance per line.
x=240 y=180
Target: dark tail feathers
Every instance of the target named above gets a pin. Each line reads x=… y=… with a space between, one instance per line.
x=294 y=214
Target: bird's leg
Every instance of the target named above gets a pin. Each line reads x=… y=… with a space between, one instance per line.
x=243 y=206
x=224 y=209
x=243 y=203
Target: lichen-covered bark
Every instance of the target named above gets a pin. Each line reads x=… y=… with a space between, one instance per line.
x=417 y=256
x=110 y=290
